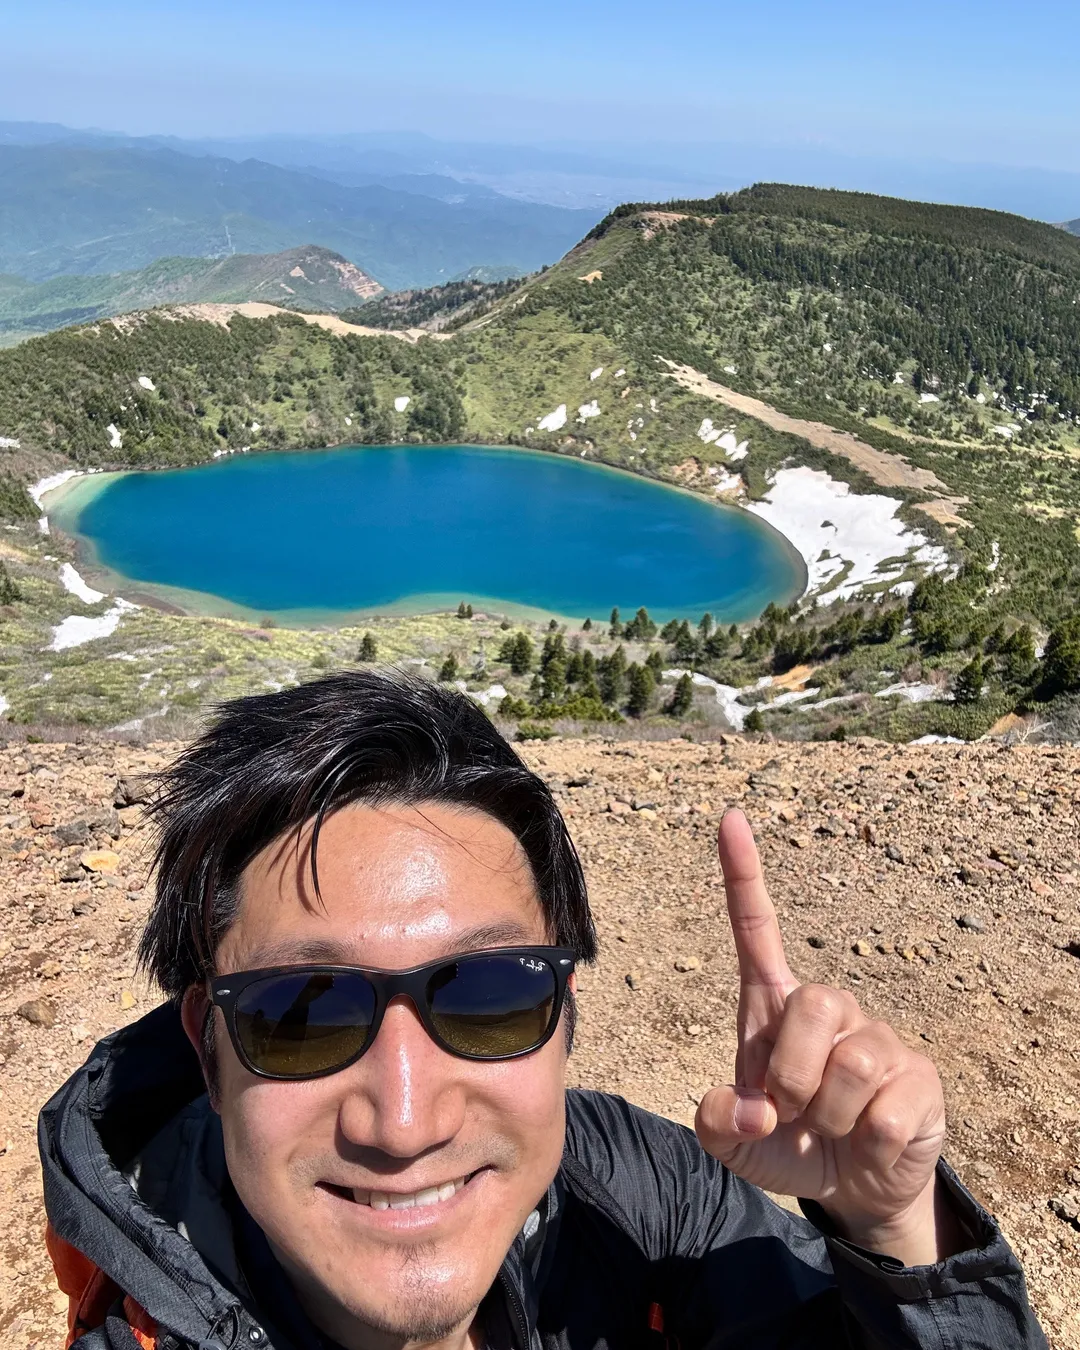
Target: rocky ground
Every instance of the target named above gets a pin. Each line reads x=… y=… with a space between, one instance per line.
x=940 y=883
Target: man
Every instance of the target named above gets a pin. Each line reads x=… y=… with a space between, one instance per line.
x=348 y=1126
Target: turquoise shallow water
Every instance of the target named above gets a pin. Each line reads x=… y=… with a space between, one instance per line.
x=329 y=533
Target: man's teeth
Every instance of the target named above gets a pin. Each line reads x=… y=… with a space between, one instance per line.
x=430 y=1195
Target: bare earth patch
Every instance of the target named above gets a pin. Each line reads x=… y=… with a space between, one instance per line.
x=887 y=846
x=885 y=469
x=221 y=312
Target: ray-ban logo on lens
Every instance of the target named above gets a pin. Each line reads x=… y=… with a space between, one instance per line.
x=531 y=963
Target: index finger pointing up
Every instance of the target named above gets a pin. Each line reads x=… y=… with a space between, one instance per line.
x=753 y=918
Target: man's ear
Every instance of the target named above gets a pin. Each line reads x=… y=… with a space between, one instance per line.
x=196 y=1014
x=193 y=1010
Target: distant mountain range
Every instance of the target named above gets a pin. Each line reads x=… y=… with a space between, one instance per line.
x=75 y=208
x=303 y=278
x=1073 y=226
x=598 y=175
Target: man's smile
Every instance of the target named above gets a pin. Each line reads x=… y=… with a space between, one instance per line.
x=424 y=1206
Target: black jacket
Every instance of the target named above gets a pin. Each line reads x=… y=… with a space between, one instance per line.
x=640 y=1225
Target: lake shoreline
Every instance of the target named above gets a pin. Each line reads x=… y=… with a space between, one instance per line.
x=65 y=503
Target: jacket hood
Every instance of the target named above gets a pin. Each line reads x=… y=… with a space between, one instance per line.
x=134 y=1178
x=90 y=1134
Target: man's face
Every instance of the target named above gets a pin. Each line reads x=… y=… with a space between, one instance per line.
x=400 y=886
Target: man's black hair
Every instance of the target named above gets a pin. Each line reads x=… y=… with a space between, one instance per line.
x=269 y=763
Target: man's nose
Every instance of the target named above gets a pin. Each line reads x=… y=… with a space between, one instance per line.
x=407 y=1095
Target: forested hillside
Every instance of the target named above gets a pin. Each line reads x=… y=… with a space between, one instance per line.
x=941 y=344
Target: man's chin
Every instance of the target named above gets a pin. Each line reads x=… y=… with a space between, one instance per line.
x=424 y=1292
x=423 y=1302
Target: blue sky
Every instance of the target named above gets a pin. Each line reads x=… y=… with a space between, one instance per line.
x=984 y=82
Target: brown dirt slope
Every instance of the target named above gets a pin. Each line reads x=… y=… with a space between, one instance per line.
x=886 y=469
x=863 y=843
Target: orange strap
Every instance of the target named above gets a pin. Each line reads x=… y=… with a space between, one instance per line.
x=91 y=1294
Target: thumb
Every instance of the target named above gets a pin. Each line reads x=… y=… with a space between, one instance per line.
x=730 y=1117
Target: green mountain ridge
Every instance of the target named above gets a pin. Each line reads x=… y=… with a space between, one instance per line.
x=307 y=278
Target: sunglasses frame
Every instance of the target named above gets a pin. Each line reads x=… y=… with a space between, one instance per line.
x=225 y=991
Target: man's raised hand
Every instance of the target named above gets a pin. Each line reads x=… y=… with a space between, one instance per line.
x=827 y=1104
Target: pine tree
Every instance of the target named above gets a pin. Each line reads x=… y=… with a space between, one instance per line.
x=553 y=680
x=449 y=670
x=611 y=675
x=521 y=654
x=641 y=685
x=9 y=592
x=754 y=720
x=615 y=628
x=705 y=626
x=369 y=650
x=968 y=685
x=682 y=698
x=655 y=662
x=1061 y=660
x=640 y=628
x=586 y=627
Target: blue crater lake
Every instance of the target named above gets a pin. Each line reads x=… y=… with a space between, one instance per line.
x=318 y=536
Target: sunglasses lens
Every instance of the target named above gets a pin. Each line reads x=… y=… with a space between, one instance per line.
x=489 y=1007
x=298 y=1025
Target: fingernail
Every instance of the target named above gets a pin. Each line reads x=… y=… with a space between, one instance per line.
x=751 y=1111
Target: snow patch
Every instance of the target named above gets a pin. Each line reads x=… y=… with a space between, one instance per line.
x=619 y=372
x=4 y=705
x=588 y=410
x=912 y=693
x=554 y=420
x=75 y=630
x=485 y=696
x=72 y=582
x=728 y=482
x=46 y=485
x=899 y=378
x=924 y=397
x=732 y=370
x=707 y=433
x=726 y=694
x=932 y=739
x=116 y=441
x=832 y=527
x=145 y=382
x=401 y=402
x=9 y=442
x=595 y=375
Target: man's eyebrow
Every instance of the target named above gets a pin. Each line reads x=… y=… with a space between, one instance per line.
x=313 y=951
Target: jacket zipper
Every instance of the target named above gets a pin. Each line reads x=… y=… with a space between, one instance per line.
x=518 y=1311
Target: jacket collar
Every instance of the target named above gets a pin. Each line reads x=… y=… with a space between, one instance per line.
x=134 y=1177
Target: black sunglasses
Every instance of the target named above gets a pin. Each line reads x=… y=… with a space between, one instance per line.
x=295 y=1022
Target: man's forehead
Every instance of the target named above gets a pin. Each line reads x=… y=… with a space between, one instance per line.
x=412 y=850
x=430 y=877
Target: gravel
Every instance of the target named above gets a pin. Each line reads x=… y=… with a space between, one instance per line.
x=994 y=1002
